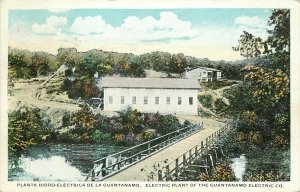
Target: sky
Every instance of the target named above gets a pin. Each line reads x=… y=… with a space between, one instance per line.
x=202 y=33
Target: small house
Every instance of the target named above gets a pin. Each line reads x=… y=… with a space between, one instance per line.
x=204 y=74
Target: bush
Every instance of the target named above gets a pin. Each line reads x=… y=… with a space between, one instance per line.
x=168 y=123
x=222 y=172
x=262 y=176
x=206 y=100
x=186 y=123
x=100 y=137
x=149 y=134
x=220 y=106
x=218 y=84
x=132 y=121
x=25 y=128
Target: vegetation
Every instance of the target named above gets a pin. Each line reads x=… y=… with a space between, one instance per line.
x=262 y=102
x=27 y=128
x=222 y=172
x=217 y=84
x=206 y=100
x=220 y=106
x=79 y=79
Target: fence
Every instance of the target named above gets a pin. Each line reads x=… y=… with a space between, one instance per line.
x=173 y=170
x=114 y=163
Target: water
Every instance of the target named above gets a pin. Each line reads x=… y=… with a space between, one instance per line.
x=239 y=166
x=58 y=162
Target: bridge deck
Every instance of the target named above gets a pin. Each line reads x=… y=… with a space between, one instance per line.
x=146 y=170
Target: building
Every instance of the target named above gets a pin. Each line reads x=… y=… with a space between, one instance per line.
x=151 y=95
x=204 y=74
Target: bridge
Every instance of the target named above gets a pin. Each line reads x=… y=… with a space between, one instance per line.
x=158 y=158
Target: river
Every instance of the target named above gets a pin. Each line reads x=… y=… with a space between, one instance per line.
x=59 y=162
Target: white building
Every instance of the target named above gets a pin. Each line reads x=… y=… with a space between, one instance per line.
x=151 y=95
x=204 y=74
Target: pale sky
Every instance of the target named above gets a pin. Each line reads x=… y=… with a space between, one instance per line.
x=202 y=33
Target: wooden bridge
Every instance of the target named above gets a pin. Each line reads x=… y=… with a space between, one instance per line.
x=158 y=158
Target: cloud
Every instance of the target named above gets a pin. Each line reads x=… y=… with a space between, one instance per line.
x=254 y=21
x=52 y=26
x=89 y=25
x=168 y=26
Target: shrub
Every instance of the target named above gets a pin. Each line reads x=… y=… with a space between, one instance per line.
x=25 y=129
x=132 y=120
x=68 y=137
x=119 y=138
x=262 y=176
x=222 y=172
x=149 y=134
x=254 y=137
x=168 y=123
x=84 y=118
x=186 y=123
x=240 y=136
x=206 y=100
x=100 y=137
x=280 y=141
x=220 y=106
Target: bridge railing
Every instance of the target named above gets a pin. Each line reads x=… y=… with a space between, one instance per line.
x=173 y=170
x=114 y=163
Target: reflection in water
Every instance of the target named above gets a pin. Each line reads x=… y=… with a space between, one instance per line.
x=239 y=166
x=53 y=168
x=58 y=162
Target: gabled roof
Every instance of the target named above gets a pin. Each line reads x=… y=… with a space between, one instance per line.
x=155 y=83
x=204 y=68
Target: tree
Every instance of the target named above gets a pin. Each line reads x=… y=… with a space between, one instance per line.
x=24 y=129
x=178 y=63
x=40 y=63
x=20 y=61
x=265 y=92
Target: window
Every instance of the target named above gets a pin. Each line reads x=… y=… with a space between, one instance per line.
x=145 y=100
x=122 y=99
x=168 y=100
x=191 y=100
x=133 y=99
x=179 y=100
x=110 y=98
x=157 y=100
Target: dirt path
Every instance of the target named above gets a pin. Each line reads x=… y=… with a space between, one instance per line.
x=24 y=94
x=142 y=171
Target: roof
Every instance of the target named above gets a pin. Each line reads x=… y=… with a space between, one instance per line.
x=156 y=83
x=204 y=68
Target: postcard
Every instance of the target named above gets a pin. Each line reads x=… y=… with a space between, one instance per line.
x=149 y=96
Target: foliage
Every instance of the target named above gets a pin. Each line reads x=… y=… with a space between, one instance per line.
x=222 y=172
x=186 y=123
x=84 y=118
x=84 y=88
x=168 y=123
x=148 y=135
x=265 y=92
x=25 y=129
x=217 y=84
x=206 y=100
x=132 y=120
x=26 y=64
x=263 y=176
x=220 y=106
x=100 y=137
